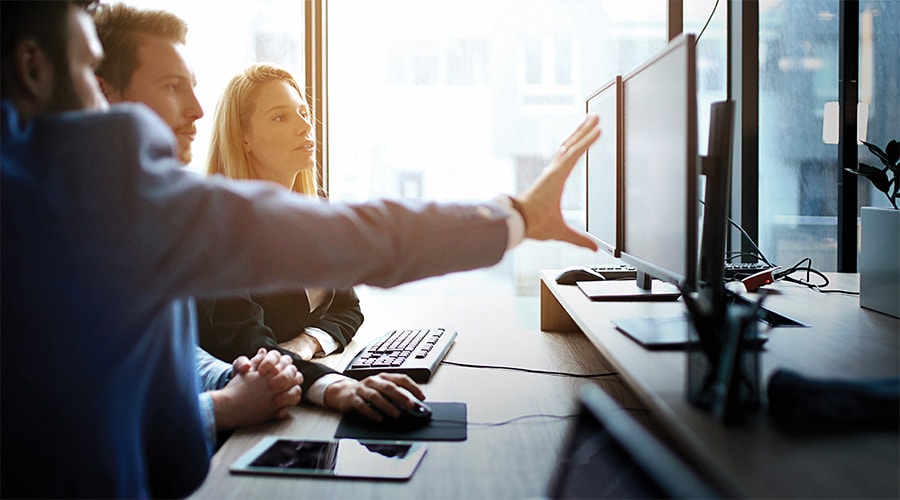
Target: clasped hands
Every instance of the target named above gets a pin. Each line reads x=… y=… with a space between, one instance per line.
x=262 y=388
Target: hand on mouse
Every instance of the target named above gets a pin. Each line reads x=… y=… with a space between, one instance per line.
x=374 y=396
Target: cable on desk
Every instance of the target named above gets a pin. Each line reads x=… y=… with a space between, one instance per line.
x=758 y=252
x=531 y=370
x=524 y=417
x=507 y=422
x=807 y=282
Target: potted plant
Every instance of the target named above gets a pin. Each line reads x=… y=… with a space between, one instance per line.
x=879 y=253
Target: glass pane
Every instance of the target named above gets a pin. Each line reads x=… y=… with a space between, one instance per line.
x=798 y=76
x=241 y=32
x=709 y=20
x=797 y=170
x=467 y=99
x=879 y=84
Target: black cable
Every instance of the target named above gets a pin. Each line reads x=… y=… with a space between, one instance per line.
x=707 y=22
x=759 y=252
x=785 y=275
x=731 y=256
x=750 y=240
x=531 y=370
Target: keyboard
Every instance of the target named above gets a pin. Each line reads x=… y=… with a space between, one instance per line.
x=733 y=270
x=413 y=352
x=616 y=271
x=739 y=270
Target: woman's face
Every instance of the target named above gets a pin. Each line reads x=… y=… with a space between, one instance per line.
x=279 y=140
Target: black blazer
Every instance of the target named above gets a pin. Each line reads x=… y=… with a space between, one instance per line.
x=240 y=325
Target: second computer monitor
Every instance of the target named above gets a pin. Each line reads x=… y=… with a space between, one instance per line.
x=603 y=161
x=660 y=224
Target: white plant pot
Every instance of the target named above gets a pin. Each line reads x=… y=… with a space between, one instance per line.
x=879 y=260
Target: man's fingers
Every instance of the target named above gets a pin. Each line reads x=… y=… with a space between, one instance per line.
x=269 y=362
x=590 y=122
x=241 y=364
x=569 y=153
x=290 y=397
x=579 y=239
x=285 y=378
x=405 y=382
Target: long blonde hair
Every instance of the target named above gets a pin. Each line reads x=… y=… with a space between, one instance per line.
x=226 y=153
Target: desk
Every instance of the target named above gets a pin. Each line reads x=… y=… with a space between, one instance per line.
x=510 y=461
x=756 y=460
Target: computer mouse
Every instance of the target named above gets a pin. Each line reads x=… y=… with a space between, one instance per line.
x=410 y=419
x=574 y=274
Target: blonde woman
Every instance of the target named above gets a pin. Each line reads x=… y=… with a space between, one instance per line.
x=263 y=130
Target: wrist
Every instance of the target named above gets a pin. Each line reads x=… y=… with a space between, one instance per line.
x=332 y=394
x=520 y=208
x=220 y=403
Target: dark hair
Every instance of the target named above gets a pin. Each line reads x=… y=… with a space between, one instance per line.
x=45 y=23
x=120 y=28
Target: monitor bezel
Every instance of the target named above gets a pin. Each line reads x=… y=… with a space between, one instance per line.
x=614 y=85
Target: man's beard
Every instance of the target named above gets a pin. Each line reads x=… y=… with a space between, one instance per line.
x=65 y=98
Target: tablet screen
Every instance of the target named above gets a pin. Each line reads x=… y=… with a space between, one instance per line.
x=332 y=458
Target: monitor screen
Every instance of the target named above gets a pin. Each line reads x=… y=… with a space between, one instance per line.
x=660 y=224
x=603 y=161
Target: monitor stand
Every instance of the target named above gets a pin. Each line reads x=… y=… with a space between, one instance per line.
x=767 y=316
x=643 y=288
x=657 y=332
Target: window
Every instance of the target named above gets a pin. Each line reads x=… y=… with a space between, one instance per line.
x=798 y=171
x=474 y=97
x=452 y=100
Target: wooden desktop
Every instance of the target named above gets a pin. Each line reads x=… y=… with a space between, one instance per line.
x=757 y=460
x=517 y=460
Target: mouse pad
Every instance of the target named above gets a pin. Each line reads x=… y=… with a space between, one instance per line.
x=448 y=423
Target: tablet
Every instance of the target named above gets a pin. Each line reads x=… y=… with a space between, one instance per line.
x=348 y=458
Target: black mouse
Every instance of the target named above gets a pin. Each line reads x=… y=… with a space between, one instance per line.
x=410 y=419
x=574 y=274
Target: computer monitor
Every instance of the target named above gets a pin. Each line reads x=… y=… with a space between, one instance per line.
x=660 y=224
x=603 y=162
x=716 y=168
